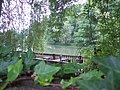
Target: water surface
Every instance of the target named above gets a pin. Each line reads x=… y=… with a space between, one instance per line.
x=61 y=49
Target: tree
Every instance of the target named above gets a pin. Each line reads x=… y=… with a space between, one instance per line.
x=36 y=36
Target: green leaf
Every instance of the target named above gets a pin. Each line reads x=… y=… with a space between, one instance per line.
x=111 y=69
x=111 y=63
x=43 y=69
x=91 y=75
x=3 y=85
x=71 y=68
x=65 y=84
x=45 y=73
x=14 y=70
x=106 y=84
x=43 y=80
x=28 y=59
x=4 y=50
x=91 y=85
x=4 y=65
x=71 y=82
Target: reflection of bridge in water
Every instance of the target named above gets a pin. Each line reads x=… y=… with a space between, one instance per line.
x=58 y=58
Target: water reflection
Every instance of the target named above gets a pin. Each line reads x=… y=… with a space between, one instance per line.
x=61 y=49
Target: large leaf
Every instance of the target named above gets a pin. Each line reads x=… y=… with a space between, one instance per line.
x=71 y=82
x=28 y=59
x=111 y=69
x=4 y=50
x=91 y=85
x=91 y=75
x=5 y=64
x=65 y=84
x=111 y=63
x=7 y=57
x=44 y=69
x=109 y=83
x=71 y=68
x=43 y=80
x=45 y=73
x=14 y=70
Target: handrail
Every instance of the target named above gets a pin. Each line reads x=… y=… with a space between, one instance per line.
x=60 y=56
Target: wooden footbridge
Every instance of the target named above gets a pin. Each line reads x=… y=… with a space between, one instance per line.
x=58 y=58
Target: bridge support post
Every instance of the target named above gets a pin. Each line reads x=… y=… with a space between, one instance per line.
x=80 y=59
x=53 y=56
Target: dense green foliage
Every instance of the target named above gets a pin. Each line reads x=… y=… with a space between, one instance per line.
x=13 y=63
x=94 y=27
x=106 y=77
x=36 y=36
x=91 y=26
x=13 y=71
x=70 y=69
x=7 y=57
x=110 y=68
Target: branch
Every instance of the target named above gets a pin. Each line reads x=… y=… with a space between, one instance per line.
x=1 y=1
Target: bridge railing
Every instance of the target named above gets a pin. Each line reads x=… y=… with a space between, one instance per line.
x=68 y=58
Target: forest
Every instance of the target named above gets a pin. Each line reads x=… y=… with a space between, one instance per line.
x=28 y=26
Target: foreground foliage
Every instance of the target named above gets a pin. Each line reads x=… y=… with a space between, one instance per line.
x=105 y=76
x=13 y=71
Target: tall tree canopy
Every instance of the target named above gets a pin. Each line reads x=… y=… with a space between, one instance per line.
x=93 y=25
